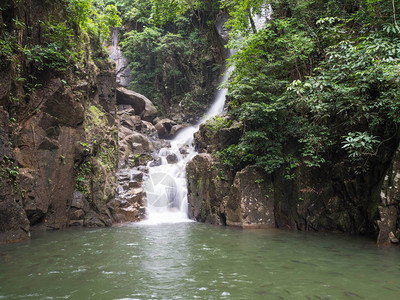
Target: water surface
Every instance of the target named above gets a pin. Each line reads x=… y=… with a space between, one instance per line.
x=196 y=261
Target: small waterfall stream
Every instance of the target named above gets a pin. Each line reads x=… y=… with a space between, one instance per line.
x=165 y=187
x=264 y=14
x=121 y=63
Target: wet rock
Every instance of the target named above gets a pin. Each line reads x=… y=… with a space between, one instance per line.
x=137 y=148
x=77 y=200
x=131 y=197
x=129 y=207
x=176 y=128
x=164 y=128
x=156 y=120
x=136 y=175
x=123 y=132
x=48 y=144
x=156 y=162
x=142 y=106
x=94 y=220
x=139 y=140
x=387 y=223
x=389 y=209
x=172 y=158
x=63 y=126
x=158 y=144
x=125 y=187
x=130 y=122
x=77 y=214
x=146 y=128
x=14 y=225
x=131 y=213
x=215 y=197
x=393 y=239
x=76 y=223
x=134 y=185
x=135 y=195
x=206 y=191
x=123 y=177
x=184 y=150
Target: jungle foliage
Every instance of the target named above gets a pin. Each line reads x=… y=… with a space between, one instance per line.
x=171 y=49
x=62 y=39
x=317 y=85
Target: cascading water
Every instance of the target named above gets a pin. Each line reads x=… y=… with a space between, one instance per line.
x=264 y=14
x=166 y=184
x=121 y=63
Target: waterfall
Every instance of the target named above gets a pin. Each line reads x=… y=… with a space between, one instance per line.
x=261 y=18
x=121 y=63
x=166 y=192
x=165 y=187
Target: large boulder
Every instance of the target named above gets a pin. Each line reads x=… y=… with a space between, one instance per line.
x=165 y=128
x=142 y=106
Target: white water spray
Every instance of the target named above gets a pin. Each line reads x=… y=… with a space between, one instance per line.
x=165 y=187
x=261 y=18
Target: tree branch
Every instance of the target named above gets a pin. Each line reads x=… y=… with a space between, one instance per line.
x=394 y=16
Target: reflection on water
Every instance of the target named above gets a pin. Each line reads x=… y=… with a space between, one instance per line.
x=196 y=261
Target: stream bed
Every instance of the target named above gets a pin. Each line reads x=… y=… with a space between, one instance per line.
x=196 y=261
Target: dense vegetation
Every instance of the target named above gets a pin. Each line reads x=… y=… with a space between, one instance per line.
x=173 y=51
x=57 y=44
x=61 y=39
x=318 y=85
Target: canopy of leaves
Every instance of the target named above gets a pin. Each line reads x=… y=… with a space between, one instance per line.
x=320 y=83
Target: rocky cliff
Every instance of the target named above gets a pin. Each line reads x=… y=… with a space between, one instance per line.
x=312 y=199
x=58 y=132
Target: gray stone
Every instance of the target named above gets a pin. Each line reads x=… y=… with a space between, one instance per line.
x=156 y=162
x=164 y=128
x=142 y=106
x=172 y=158
x=77 y=200
x=184 y=150
x=77 y=214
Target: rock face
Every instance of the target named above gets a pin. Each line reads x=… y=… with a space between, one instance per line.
x=205 y=191
x=251 y=203
x=142 y=106
x=129 y=204
x=389 y=209
x=14 y=224
x=135 y=149
x=58 y=136
x=248 y=203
